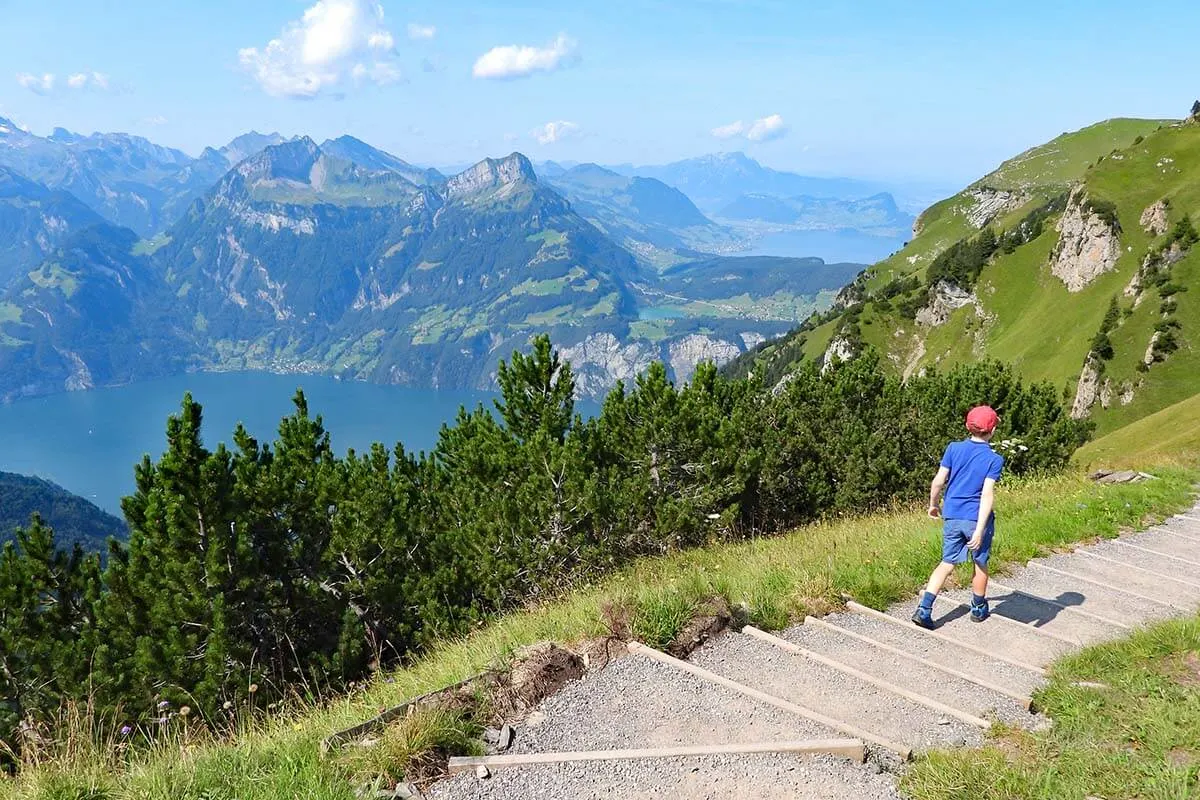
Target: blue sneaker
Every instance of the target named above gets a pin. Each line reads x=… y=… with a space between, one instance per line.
x=980 y=611
x=924 y=618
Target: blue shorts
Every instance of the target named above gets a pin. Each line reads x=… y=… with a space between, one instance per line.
x=955 y=535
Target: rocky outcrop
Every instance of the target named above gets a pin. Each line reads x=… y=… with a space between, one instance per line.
x=840 y=349
x=1148 y=358
x=1154 y=218
x=991 y=203
x=490 y=174
x=686 y=353
x=1088 y=246
x=601 y=360
x=752 y=339
x=944 y=300
x=1086 y=391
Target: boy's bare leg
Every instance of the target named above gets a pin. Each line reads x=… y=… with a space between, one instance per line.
x=939 y=576
x=979 y=582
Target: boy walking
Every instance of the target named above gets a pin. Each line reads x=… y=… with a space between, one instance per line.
x=968 y=475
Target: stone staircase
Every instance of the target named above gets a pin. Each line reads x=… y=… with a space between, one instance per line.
x=856 y=675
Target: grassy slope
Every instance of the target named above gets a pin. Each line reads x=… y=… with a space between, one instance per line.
x=1140 y=737
x=1173 y=431
x=1041 y=172
x=879 y=560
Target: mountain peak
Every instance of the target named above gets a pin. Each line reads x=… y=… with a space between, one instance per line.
x=291 y=160
x=492 y=173
x=65 y=136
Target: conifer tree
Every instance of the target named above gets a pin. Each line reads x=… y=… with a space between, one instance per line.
x=47 y=628
x=537 y=391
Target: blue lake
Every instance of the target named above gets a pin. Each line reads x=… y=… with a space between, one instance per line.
x=88 y=442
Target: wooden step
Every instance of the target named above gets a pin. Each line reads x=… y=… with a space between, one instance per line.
x=849 y=748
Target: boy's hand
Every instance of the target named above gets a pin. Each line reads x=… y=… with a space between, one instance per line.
x=934 y=512
x=975 y=541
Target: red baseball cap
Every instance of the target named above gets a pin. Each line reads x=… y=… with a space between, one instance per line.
x=982 y=419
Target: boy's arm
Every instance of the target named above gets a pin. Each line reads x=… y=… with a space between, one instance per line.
x=987 y=501
x=935 y=491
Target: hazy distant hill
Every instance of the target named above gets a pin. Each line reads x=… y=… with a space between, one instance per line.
x=74 y=519
x=657 y=223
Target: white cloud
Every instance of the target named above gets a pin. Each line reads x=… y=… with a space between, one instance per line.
x=156 y=120
x=519 y=61
x=38 y=84
x=729 y=131
x=330 y=41
x=766 y=129
x=760 y=130
x=555 y=131
x=82 y=80
x=416 y=31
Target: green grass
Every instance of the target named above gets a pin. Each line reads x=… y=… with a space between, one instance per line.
x=878 y=559
x=1138 y=738
x=1172 y=432
x=53 y=276
x=146 y=247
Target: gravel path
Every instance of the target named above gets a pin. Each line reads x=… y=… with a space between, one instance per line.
x=836 y=694
x=762 y=777
x=913 y=676
x=638 y=702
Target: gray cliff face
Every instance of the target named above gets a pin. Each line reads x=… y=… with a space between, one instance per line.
x=694 y=349
x=1086 y=391
x=1087 y=248
x=600 y=360
x=491 y=174
x=839 y=349
x=991 y=203
x=1154 y=218
x=945 y=299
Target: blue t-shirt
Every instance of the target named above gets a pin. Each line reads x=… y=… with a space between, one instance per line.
x=969 y=463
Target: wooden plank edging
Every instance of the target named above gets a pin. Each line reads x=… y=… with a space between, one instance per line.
x=851 y=748
x=861 y=609
x=903 y=751
x=887 y=686
x=381 y=720
x=1024 y=700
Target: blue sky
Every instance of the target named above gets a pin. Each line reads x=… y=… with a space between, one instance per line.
x=937 y=91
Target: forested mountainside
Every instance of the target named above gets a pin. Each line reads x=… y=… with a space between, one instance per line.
x=344 y=260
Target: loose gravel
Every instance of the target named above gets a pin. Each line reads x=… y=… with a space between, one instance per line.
x=759 y=776
x=756 y=663
x=947 y=689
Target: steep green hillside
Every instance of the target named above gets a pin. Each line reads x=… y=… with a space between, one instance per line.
x=74 y=519
x=91 y=314
x=33 y=221
x=1071 y=261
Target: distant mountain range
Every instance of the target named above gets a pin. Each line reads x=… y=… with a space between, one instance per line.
x=286 y=255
